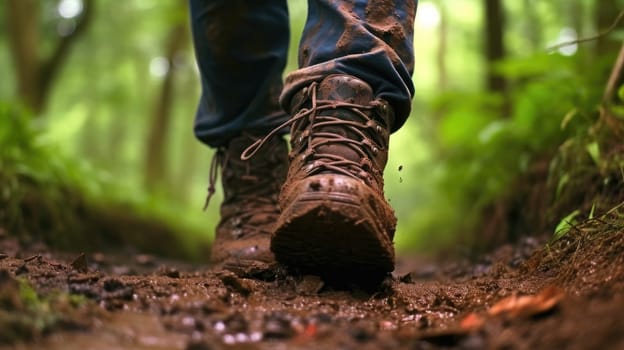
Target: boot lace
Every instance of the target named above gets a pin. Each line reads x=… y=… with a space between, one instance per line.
x=254 y=196
x=317 y=134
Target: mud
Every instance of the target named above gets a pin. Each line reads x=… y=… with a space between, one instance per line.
x=569 y=295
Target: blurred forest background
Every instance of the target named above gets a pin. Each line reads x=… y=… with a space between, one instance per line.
x=97 y=100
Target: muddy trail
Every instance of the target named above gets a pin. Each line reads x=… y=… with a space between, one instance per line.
x=566 y=295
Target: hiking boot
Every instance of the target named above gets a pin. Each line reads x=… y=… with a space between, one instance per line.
x=335 y=220
x=250 y=207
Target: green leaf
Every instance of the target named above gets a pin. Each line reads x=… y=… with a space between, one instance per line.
x=568 y=117
x=563 y=180
x=620 y=93
x=594 y=151
x=591 y=212
x=565 y=225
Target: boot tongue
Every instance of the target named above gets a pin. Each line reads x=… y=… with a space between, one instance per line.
x=345 y=88
x=351 y=90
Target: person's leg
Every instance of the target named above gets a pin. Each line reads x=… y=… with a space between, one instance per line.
x=241 y=49
x=353 y=89
x=368 y=39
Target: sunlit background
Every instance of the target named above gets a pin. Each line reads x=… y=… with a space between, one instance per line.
x=461 y=148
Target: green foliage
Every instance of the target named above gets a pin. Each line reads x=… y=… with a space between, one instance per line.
x=48 y=195
x=24 y=314
x=28 y=163
x=479 y=154
x=459 y=152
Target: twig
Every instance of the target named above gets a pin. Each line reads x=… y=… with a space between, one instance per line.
x=31 y=258
x=614 y=25
x=616 y=73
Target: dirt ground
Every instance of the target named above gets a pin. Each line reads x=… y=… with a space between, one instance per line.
x=566 y=295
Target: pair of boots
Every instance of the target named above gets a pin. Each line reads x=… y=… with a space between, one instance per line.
x=320 y=208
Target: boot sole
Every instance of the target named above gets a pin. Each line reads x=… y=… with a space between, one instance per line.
x=337 y=236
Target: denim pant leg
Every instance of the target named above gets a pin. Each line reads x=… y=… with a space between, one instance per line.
x=368 y=39
x=241 y=48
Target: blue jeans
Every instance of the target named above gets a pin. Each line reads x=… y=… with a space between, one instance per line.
x=241 y=48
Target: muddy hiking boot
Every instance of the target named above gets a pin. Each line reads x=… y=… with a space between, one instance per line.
x=250 y=205
x=335 y=221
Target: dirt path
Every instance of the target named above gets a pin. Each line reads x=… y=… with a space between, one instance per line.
x=520 y=297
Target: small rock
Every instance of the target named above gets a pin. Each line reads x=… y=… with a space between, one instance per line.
x=112 y=284
x=387 y=325
x=188 y=321
x=277 y=327
x=309 y=285
x=211 y=306
x=144 y=259
x=223 y=294
x=236 y=284
x=236 y=323
x=406 y=278
x=22 y=269
x=361 y=334
x=169 y=272
x=80 y=263
x=89 y=291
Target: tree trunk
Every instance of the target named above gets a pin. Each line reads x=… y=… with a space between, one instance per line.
x=495 y=50
x=22 y=20
x=155 y=171
x=35 y=76
x=494 y=44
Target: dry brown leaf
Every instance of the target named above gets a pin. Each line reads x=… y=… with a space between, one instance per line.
x=528 y=305
x=471 y=322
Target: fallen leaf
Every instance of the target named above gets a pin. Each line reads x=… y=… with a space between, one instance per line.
x=471 y=322
x=528 y=305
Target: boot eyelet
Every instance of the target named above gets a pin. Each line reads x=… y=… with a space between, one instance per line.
x=375 y=150
x=379 y=128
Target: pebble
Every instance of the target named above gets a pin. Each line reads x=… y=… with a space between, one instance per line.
x=309 y=285
x=277 y=326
